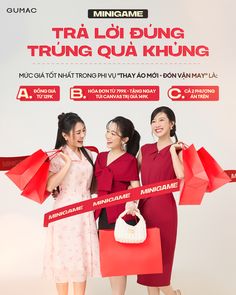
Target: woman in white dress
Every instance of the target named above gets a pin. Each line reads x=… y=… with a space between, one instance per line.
x=72 y=248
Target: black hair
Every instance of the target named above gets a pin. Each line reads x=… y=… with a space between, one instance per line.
x=66 y=123
x=126 y=128
x=170 y=115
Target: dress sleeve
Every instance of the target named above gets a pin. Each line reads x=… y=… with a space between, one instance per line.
x=127 y=170
x=133 y=171
x=55 y=164
x=97 y=165
x=103 y=174
x=144 y=149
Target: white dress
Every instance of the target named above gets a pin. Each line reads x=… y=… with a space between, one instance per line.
x=72 y=247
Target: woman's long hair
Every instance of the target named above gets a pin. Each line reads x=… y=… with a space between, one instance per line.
x=126 y=128
x=66 y=123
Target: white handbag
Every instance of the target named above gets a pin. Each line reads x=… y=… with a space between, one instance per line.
x=131 y=234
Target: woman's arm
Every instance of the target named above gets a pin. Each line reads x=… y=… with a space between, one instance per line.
x=177 y=160
x=93 y=186
x=134 y=183
x=55 y=179
x=139 y=160
x=132 y=206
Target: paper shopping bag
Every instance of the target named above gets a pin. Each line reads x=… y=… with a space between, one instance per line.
x=36 y=188
x=118 y=259
x=195 y=178
x=217 y=176
x=26 y=169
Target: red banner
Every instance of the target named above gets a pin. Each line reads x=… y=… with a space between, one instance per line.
x=6 y=163
x=231 y=174
x=141 y=192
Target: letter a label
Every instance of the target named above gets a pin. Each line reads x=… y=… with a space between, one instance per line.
x=23 y=94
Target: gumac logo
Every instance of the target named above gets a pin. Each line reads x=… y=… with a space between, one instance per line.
x=19 y=10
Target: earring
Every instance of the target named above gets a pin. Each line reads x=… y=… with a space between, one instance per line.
x=123 y=146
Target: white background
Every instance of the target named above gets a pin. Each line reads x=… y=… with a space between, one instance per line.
x=205 y=254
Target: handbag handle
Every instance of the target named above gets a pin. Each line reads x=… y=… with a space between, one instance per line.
x=137 y=213
x=131 y=234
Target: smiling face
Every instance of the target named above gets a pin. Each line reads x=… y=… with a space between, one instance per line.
x=113 y=137
x=75 y=138
x=161 y=125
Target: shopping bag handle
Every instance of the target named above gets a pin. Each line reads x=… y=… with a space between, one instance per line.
x=184 y=145
x=53 y=153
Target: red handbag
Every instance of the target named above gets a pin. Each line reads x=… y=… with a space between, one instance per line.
x=36 y=188
x=26 y=169
x=195 y=178
x=217 y=176
x=118 y=259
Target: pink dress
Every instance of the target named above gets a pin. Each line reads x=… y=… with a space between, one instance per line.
x=72 y=248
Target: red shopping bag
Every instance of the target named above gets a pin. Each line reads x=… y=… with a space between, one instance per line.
x=26 y=169
x=119 y=259
x=217 y=176
x=195 y=178
x=36 y=188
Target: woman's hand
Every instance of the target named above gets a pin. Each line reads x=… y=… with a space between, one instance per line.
x=65 y=158
x=55 y=193
x=131 y=207
x=178 y=146
x=55 y=179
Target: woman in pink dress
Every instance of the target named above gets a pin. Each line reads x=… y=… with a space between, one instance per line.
x=72 y=249
x=115 y=171
x=161 y=161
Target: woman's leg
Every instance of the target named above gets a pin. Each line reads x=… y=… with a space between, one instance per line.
x=118 y=285
x=79 y=288
x=153 y=291
x=168 y=290
x=62 y=288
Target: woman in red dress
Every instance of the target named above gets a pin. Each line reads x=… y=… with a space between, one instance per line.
x=161 y=161
x=115 y=171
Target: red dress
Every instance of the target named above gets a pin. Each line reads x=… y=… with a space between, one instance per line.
x=112 y=178
x=159 y=211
